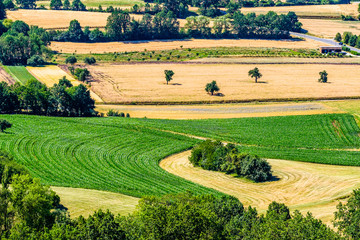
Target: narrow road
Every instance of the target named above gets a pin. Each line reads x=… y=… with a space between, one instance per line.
x=324 y=40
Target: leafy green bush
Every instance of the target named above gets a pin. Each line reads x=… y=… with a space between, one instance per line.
x=89 y=60
x=35 y=60
x=217 y=157
x=71 y=60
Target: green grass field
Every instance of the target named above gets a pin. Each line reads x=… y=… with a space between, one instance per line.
x=122 y=154
x=19 y=73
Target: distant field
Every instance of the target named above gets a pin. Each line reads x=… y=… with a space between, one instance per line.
x=5 y=77
x=19 y=73
x=302 y=186
x=60 y=19
x=51 y=74
x=85 y=201
x=103 y=3
x=329 y=28
x=146 y=82
x=110 y=47
x=310 y=10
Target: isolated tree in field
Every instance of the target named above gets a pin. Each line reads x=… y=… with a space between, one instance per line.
x=168 y=75
x=71 y=60
x=323 y=77
x=4 y=125
x=212 y=87
x=56 y=4
x=338 y=37
x=255 y=73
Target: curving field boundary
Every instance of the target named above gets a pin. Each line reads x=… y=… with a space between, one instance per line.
x=304 y=186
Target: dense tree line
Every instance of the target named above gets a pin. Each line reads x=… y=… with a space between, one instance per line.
x=19 y=42
x=348 y=38
x=217 y=157
x=63 y=99
x=164 y=25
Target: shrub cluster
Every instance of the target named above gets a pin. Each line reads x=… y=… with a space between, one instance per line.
x=215 y=156
x=114 y=113
x=348 y=38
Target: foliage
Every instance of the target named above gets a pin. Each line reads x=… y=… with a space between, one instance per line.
x=77 y=5
x=323 y=77
x=71 y=59
x=168 y=75
x=212 y=87
x=347 y=217
x=255 y=73
x=4 y=125
x=2 y=10
x=27 y=4
x=90 y=60
x=113 y=113
x=215 y=156
x=9 y=4
x=338 y=37
x=35 y=60
x=66 y=5
x=55 y=4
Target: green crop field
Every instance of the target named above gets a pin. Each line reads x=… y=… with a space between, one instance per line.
x=123 y=154
x=19 y=73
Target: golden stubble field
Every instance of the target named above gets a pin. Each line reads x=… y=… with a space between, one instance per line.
x=146 y=82
x=310 y=10
x=109 y=47
x=329 y=28
x=317 y=188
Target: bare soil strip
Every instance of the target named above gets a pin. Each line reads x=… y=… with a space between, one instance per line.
x=218 y=110
x=4 y=76
x=303 y=186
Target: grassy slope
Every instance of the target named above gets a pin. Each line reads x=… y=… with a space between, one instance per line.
x=122 y=155
x=89 y=154
x=19 y=73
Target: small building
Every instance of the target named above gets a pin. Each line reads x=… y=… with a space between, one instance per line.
x=331 y=49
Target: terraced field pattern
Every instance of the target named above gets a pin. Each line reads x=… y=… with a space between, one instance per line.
x=123 y=154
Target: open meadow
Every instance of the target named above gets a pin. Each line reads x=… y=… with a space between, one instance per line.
x=116 y=83
x=302 y=186
x=328 y=28
x=122 y=155
x=332 y=10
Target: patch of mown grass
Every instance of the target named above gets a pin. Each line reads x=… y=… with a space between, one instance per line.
x=19 y=73
x=185 y=54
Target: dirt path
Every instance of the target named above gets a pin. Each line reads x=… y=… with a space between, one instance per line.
x=304 y=186
x=4 y=76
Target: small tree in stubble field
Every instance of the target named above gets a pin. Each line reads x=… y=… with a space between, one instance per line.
x=323 y=77
x=168 y=75
x=212 y=87
x=4 y=125
x=255 y=73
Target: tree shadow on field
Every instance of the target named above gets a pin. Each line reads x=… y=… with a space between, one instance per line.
x=176 y=84
x=62 y=207
x=262 y=82
x=274 y=179
x=219 y=94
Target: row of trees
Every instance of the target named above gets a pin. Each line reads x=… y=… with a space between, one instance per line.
x=164 y=25
x=63 y=99
x=19 y=42
x=348 y=38
x=226 y=158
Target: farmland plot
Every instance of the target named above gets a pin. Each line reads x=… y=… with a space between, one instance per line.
x=19 y=73
x=329 y=28
x=5 y=77
x=51 y=74
x=146 y=82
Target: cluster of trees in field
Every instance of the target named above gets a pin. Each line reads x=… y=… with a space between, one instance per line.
x=63 y=99
x=19 y=42
x=215 y=156
x=164 y=25
x=348 y=38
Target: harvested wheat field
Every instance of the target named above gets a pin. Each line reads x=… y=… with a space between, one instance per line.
x=85 y=201
x=104 y=3
x=310 y=10
x=49 y=75
x=5 y=77
x=329 y=28
x=60 y=19
x=146 y=83
x=219 y=110
x=303 y=186
x=109 y=47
